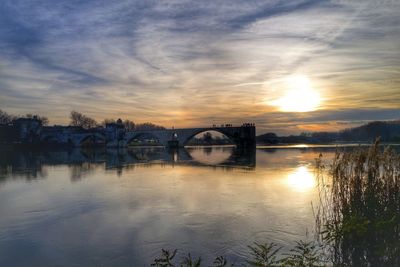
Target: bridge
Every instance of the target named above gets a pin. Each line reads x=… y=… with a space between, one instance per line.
x=243 y=136
x=114 y=135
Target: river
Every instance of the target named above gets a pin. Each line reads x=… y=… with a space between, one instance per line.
x=121 y=207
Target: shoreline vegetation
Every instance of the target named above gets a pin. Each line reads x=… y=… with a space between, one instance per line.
x=357 y=218
x=78 y=119
x=389 y=131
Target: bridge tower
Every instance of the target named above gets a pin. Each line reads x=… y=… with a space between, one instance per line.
x=246 y=137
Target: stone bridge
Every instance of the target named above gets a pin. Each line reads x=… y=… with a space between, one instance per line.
x=118 y=137
x=75 y=139
x=241 y=136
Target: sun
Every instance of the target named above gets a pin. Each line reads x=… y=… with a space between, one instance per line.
x=298 y=96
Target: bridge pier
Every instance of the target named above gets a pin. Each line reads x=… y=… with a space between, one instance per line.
x=174 y=144
x=247 y=137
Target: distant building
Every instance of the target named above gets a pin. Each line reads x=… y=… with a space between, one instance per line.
x=27 y=129
x=115 y=130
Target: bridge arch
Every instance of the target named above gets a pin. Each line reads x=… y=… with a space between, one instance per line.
x=91 y=139
x=231 y=136
x=136 y=136
x=49 y=139
x=240 y=136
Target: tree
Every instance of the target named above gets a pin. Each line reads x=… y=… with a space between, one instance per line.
x=5 y=118
x=78 y=119
x=148 y=126
x=129 y=125
x=44 y=120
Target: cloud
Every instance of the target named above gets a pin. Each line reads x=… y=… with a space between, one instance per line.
x=183 y=64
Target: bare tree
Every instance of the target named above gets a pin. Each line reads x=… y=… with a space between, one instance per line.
x=44 y=120
x=78 y=119
x=5 y=118
x=129 y=125
x=148 y=126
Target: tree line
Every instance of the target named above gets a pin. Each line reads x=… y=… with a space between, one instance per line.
x=389 y=131
x=6 y=118
x=81 y=120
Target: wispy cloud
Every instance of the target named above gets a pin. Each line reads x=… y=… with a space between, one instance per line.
x=188 y=63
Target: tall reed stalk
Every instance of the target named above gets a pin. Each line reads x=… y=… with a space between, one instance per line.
x=359 y=214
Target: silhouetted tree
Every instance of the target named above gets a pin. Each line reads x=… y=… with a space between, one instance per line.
x=78 y=119
x=148 y=126
x=44 y=120
x=129 y=125
x=5 y=118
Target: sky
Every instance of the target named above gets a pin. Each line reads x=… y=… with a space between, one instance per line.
x=288 y=66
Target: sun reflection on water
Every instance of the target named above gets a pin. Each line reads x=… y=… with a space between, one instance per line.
x=301 y=179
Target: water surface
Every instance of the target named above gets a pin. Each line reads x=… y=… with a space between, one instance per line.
x=120 y=207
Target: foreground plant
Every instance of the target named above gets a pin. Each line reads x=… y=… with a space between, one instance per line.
x=167 y=259
x=264 y=255
x=304 y=254
x=359 y=218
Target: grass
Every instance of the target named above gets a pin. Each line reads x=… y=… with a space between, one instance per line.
x=357 y=219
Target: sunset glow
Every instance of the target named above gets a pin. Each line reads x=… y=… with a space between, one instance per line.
x=300 y=96
x=326 y=64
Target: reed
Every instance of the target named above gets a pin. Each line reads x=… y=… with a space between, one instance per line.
x=359 y=214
